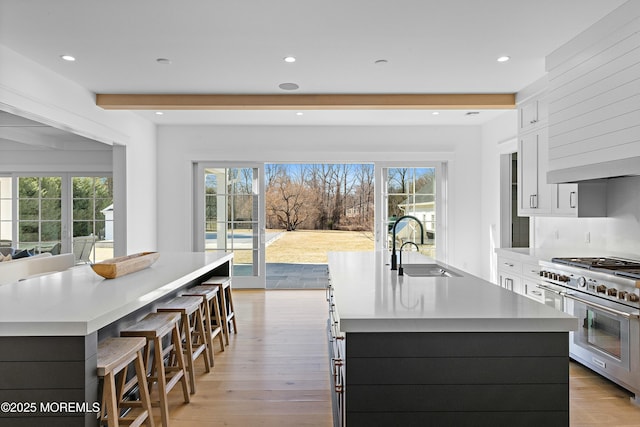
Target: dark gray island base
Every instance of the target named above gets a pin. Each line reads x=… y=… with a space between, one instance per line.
x=457 y=379
x=50 y=379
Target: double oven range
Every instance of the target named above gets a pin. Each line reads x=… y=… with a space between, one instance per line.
x=604 y=294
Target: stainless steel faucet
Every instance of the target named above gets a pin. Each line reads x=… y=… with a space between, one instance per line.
x=394 y=261
x=400 y=270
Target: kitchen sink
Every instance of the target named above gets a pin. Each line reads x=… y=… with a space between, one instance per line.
x=427 y=270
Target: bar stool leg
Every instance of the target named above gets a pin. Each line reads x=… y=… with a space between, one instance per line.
x=207 y=326
x=177 y=348
x=143 y=388
x=158 y=363
x=225 y=323
x=232 y=310
x=220 y=323
x=110 y=401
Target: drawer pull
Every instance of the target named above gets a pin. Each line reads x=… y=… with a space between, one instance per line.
x=508 y=264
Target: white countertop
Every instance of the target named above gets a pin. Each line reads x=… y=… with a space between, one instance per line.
x=79 y=302
x=369 y=297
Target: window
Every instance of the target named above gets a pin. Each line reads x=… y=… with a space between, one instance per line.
x=61 y=213
x=39 y=219
x=92 y=218
x=6 y=211
x=412 y=191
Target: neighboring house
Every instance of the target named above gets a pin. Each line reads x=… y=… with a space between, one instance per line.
x=423 y=206
x=108 y=222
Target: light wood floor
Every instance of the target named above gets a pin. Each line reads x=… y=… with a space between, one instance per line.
x=276 y=372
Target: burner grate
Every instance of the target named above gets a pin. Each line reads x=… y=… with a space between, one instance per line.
x=599 y=263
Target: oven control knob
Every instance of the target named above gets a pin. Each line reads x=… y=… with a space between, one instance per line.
x=582 y=282
x=633 y=297
x=622 y=295
x=564 y=279
x=612 y=292
x=601 y=289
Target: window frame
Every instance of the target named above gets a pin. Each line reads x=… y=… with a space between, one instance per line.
x=441 y=200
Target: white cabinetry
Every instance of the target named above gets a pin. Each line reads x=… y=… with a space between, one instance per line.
x=531 y=113
x=536 y=197
x=534 y=194
x=520 y=276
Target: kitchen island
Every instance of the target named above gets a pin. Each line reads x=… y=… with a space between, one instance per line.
x=442 y=350
x=50 y=326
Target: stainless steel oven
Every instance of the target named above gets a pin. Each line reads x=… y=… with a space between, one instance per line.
x=604 y=294
x=604 y=332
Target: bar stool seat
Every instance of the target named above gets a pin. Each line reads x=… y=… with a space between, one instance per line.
x=226 y=302
x=154 y=328
x=211 y=312
x=191 y=331
x=114 y=357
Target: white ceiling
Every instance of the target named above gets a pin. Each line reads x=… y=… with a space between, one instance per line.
x=237 y=47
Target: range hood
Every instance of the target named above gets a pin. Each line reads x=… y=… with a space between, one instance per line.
x=596 y=171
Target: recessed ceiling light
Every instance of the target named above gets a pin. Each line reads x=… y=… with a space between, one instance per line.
x=435 y=113
x=288 y=86
x=299 y=113
x=289 y=59
x=159 y=113
x=68 y=58
x=503 y=58
x=381 y=62
x=163 y=61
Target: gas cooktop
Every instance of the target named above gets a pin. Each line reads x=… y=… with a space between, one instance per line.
x=614 y=266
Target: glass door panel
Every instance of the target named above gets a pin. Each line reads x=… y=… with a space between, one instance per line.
x=232 y=220
x=92 y=225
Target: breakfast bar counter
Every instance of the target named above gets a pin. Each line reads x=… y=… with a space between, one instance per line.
x=50 y=326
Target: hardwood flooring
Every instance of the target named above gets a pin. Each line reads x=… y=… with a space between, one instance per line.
x=275 y=372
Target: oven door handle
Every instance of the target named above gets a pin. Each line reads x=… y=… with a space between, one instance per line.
x=546 y=288
x=603 y=307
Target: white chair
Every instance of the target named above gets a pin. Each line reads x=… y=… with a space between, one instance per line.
x=82 y=247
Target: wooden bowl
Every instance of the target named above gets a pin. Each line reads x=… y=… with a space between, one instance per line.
x=119 y=266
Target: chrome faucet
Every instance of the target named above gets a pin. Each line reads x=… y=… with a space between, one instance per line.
x=400 y=270
x=394 y=261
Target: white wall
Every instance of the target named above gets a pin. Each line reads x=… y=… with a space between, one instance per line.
x=499 y=136
x=180 y=146
x=55 y=161
x=618 y=233
x=30 y=90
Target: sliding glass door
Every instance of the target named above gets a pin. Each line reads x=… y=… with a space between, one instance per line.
x=230 y=217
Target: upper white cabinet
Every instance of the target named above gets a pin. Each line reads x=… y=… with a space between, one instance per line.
x=585 y=199
x=593 y=94
x=536 y=196
x=532 y=114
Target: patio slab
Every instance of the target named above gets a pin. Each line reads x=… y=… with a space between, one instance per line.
x=297 y=276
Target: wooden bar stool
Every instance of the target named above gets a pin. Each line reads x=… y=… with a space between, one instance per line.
x=154 y=328
x=114 y=357
x=211 y=310
x=226 y=302
x=191 y=330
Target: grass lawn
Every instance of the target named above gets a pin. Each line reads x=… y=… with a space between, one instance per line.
x=311 y=246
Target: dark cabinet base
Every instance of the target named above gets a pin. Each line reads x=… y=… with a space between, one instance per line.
x=445 y=379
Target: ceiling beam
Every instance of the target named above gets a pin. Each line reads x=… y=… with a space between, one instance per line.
x=490 y=101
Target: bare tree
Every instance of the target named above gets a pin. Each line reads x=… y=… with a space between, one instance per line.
x=286 y=199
